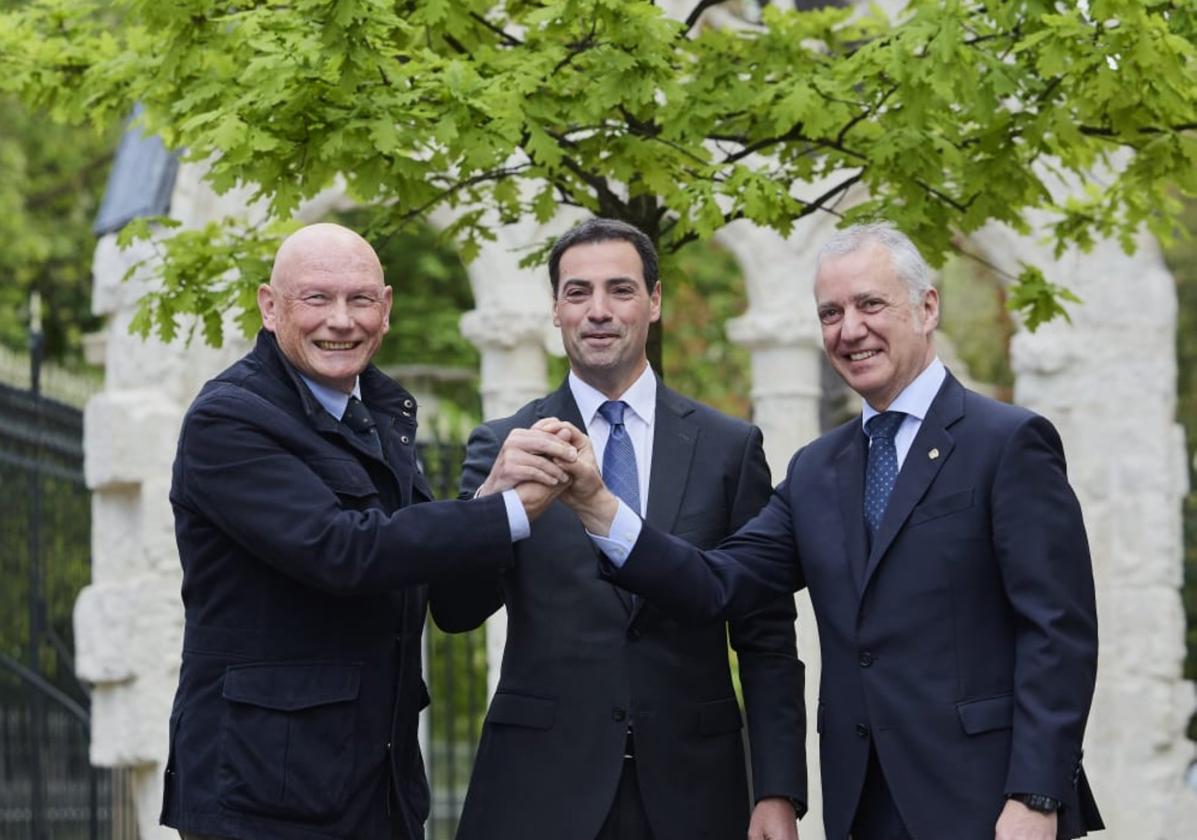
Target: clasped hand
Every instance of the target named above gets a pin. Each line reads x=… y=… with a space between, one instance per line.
x=551 y=459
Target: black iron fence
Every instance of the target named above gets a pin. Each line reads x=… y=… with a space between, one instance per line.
x=48 y=789
x=456 y=675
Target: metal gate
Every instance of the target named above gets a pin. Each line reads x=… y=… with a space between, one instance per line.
x=455 y=666
x=48 y=790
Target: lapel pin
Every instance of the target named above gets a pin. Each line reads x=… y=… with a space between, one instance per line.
x=933 y=454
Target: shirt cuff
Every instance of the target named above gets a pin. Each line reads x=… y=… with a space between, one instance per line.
x=517 y=517
x=625 y=530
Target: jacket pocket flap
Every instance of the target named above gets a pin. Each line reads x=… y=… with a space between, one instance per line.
x=344 y=476
x=289 y=687
x=942 y=506
x=719 y=716
x=522 y=710
x=978 y=716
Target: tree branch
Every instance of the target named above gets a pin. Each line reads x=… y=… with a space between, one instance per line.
x=505 y=36
x=697 y=11
x=458 y=186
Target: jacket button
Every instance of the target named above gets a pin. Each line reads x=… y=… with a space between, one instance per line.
x=404 y=439
x=862 y=730
x=407 y=403
x=619 y=715
x=633 y=634
x=866 y=659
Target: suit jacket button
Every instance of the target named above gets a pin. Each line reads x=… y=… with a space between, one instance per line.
x=862 y=730
x=404 y=439
x=619 y=715
x=866 y=659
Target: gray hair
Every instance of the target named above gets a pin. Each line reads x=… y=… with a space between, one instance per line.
x=908 y=263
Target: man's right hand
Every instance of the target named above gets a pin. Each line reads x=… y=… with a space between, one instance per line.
x=529 y=455
x=590 y=499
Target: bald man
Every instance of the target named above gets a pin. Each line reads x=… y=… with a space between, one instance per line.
x=307 y=537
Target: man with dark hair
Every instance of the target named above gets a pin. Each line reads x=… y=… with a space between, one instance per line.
x=946 y=560
x=305 y=558
x=611 y=720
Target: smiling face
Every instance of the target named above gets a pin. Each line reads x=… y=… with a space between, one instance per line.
x=326 y=304
x=603 y=308
x=874 y=336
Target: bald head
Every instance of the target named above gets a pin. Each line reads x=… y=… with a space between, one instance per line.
x=326 y=304
x=323 y=248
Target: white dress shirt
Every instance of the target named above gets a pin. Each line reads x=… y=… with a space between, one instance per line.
x=641 y=399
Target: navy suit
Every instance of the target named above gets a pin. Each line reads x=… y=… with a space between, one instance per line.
x=962 y=646
x=582 y=660
x=305 y=560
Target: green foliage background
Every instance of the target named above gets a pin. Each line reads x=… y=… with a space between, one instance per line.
x=948 y=117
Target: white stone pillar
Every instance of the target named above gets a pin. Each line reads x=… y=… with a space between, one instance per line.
x=129 y=620
x=510 y=324
x=782 y=331
x=1108 y=383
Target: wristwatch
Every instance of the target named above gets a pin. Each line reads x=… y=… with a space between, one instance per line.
x=1037 y=802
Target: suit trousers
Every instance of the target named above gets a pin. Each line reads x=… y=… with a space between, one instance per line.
x=627 y=819
x=877 y=816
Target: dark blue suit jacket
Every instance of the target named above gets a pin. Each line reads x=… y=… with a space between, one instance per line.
x=963 y=644
x=582 y=661
x=304 y=563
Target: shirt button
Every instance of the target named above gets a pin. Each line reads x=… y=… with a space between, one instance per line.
x=408 y=403
x=866 y=659
x=862 y=730
x=619 y=715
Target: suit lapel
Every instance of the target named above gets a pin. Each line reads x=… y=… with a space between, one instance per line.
x=561 y=404
x=919 y=469
x=674 y=438
x=849 y=477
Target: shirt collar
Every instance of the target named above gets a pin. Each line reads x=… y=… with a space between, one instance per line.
x=334 y=401
x=641 y=396
x=916 y=398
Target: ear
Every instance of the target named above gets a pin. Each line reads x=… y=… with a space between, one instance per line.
x=556 y=316
x=387 y=297
x=267 y=306
x=930 y=310
x=655 y=300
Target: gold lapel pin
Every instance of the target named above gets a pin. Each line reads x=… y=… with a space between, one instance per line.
x=933 y=454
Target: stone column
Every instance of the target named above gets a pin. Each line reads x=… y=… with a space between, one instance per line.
x=1108 y=383
x=129 y=620
x=782 y=331
x=510 y=325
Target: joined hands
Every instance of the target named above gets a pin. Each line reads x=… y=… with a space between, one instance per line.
x=550 y=460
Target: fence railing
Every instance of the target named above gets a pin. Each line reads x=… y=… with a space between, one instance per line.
x=48 y=790
x=455 y=669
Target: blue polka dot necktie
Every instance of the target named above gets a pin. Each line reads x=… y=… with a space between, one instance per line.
x=619 y=457
x=882 y=469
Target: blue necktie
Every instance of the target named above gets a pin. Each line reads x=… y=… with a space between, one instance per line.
x=882 y=469
x=619 y=458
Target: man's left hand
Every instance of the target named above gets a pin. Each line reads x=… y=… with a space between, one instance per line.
x=1018 y=822
x=773 y=818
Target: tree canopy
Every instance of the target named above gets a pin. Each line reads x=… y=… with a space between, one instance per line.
x=955 y=115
